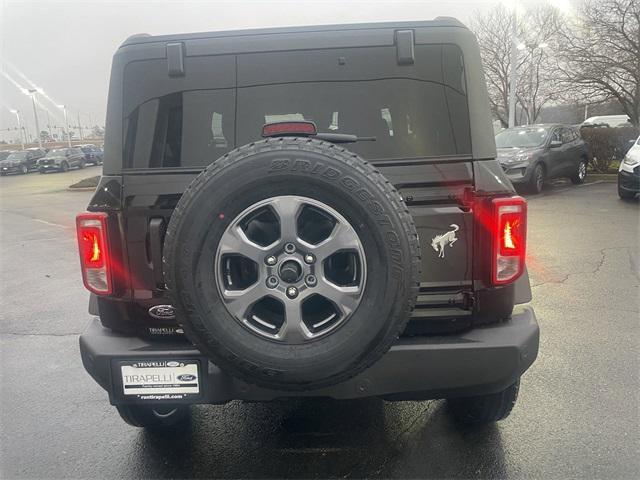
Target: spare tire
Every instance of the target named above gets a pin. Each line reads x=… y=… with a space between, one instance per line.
x=292 y=263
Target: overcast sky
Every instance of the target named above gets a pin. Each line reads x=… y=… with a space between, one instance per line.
x=65 y=47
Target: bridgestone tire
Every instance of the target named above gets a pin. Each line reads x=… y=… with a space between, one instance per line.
x=154 y=417
x=484 y=409
x=325 y=173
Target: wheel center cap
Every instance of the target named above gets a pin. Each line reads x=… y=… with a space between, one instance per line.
x=290 y=271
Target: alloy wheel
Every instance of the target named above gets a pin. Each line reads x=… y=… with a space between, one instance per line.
x=582 y=170
x=539 y=179
x=290 y=269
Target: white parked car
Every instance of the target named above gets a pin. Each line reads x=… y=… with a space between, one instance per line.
x=608 y=121
x=629 y=172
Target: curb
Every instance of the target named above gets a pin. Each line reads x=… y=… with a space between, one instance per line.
x=605 y=177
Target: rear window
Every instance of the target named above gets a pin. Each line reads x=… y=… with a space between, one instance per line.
x=413 y=111
x=409 y=118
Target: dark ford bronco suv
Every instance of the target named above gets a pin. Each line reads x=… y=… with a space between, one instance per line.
x=311 y=212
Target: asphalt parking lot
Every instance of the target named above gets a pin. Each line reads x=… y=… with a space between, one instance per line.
x=577 y=415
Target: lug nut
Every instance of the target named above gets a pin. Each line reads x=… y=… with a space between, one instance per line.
x=309 y=258
x=272 y=281
x=311 y=280
x=271 y=260
x=289 y=248
x=292 y=292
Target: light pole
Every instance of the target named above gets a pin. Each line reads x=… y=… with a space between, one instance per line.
x=17 y=114
x=513 y=81
x=80 y=127
x=32 y=92
x=66 y=122
x=532 y=51
x=49 y=126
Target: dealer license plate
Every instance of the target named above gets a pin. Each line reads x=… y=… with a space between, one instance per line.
x=160 y=379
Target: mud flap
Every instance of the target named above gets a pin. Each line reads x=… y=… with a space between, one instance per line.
x=522 y=288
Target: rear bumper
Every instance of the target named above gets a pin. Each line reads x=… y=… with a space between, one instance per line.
x=479 y=361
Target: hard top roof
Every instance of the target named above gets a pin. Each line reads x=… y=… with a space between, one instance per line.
x=437 y=22
x=539 y=125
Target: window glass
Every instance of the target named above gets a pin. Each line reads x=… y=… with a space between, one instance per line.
x=283 y=117
x=413 y=111
x=416 y=110
x=409 y=118
x=207 y=126
x=522 y=137
x=57 y=152
x=145 y=126
x=567 y=135
x=386 y=115
x=335 y=118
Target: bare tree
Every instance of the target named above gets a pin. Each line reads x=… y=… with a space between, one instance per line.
x=600 y=54
x=537 y=81
x=493 y=31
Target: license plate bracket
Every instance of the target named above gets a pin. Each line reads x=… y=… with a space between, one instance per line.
x=158 y=380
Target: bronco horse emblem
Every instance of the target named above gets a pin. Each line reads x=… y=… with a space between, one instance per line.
x=440 y=241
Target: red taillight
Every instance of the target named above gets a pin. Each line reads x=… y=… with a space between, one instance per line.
x=509 y=239
x=94 y=252
x=289 y=128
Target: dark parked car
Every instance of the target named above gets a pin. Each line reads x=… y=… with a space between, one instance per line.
x=61 y=159
x=5 y=153
x=248 y=241
x=535 y=153
x=92 y=154
x=21 y=162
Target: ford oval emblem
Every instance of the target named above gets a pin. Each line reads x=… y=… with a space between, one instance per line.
x=163 y=312
x=186 y=377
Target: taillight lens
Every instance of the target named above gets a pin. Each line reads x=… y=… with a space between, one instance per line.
x=509 y=239
x=94 y=252
x=289 y=128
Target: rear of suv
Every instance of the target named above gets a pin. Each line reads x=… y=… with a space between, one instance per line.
x=312 y=211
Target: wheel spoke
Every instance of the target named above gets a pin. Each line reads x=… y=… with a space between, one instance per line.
x=287 y=209
x=343 y=237
x=235 y=241
x=346 y=299
x=239 y=301
x=293 y=330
